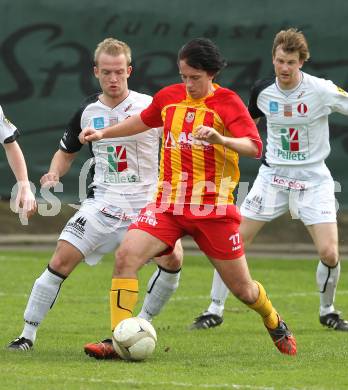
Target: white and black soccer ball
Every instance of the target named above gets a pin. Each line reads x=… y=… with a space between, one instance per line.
x=134 y=339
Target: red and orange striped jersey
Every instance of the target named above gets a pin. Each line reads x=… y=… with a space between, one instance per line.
x=192 y=171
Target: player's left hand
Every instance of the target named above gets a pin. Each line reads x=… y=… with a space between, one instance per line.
x=206 y=133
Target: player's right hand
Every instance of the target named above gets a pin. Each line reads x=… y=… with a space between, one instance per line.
x=89 y=134
x=49 y=179
x=25 y=203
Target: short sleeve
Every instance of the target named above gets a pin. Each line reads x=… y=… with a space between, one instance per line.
x=8 y=131
x=238 y=121
x=70 y=142
x=151 y=116
x=333 y=97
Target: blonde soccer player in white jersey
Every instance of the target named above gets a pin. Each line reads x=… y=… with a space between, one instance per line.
x=124 y=177
x=293 y=175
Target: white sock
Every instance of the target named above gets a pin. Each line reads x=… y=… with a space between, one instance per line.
x=327 y=279
x=218 y=294
x=160 y=288
x=42 y=297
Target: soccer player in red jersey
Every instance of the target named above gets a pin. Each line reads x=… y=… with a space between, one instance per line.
x=206 y=128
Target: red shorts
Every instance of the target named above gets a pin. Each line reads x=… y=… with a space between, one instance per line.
x=217 y=236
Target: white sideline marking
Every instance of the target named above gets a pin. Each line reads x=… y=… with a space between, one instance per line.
x=162 y=383
x=4 y=294
x=17 y=258
x=184 y=384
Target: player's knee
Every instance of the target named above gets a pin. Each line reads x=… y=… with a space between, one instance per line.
x=169 y=263
x=121 y=257
x=245 y=292
x=125 y=260
x=177 y=256
x=329 y=255
x=173 y=261
x=60 y=264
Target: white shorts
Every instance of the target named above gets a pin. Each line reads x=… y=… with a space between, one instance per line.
x=96 y=230
x=308 y=193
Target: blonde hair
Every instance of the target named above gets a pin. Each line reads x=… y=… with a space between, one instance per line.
x=113 y=47
x=291 y=41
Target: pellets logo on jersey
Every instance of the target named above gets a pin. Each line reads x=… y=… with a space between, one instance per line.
x=302 y=109
x=117 y=158
x=289 y=139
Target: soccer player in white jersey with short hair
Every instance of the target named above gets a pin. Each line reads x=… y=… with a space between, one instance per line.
x=25 y=202
x=124 y=176
x=294 y=175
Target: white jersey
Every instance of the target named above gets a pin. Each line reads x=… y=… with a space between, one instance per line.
x=125 y=172
x=8 y=131
x=297 y=120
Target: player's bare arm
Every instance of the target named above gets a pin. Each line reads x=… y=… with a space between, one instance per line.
x=244 y=146
x=131 y=126
x=25 y=198
x=60 y=165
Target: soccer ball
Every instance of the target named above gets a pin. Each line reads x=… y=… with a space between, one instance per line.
x=134 y=339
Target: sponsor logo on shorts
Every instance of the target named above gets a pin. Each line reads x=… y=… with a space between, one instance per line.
x=148 y=217
x=288 y=183
x=77 y=227
x=326 y=212
x=236 y=244
x=254 y=204
x=121 y=215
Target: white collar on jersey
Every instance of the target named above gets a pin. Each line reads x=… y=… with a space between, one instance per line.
x=288 y=92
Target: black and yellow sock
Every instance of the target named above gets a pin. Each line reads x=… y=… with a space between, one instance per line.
x=123 y=298
x=264 y=307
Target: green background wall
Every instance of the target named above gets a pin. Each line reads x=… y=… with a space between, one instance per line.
x=46 y=61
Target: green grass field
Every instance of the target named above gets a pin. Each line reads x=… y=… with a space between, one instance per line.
x=237 y=355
